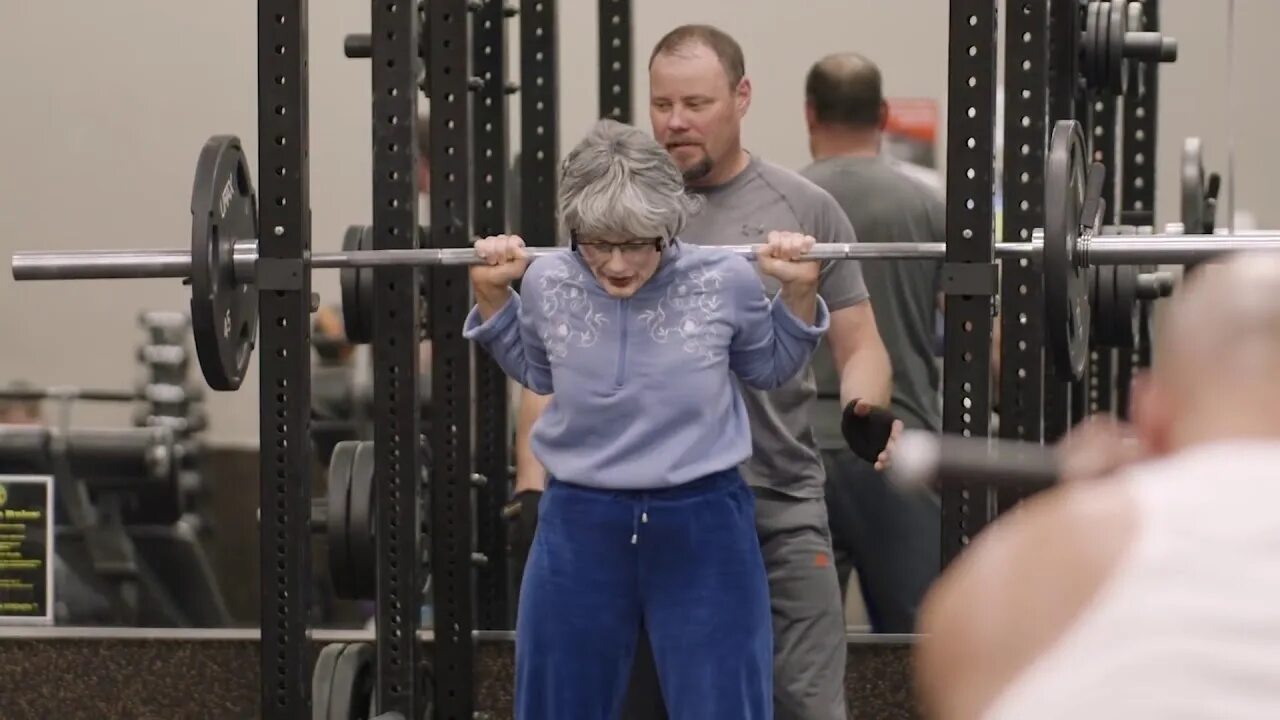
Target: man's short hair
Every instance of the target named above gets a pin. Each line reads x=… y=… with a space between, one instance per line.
x=726 y=49
x=845 y=89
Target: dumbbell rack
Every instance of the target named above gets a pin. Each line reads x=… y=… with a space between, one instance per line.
x=168 y=398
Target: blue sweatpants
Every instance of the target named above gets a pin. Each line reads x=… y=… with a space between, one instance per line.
x=682 y=564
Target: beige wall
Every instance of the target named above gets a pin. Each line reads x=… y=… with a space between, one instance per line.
x=105 y=106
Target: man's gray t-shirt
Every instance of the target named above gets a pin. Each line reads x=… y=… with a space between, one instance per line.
x=886 y=205
x=763 y=198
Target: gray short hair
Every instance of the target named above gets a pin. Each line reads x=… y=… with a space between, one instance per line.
x=618 y=181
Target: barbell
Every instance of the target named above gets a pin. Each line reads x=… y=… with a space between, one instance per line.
x=224 y=271
x=928 y=460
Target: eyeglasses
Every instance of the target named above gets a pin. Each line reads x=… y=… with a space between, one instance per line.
x=595 y=250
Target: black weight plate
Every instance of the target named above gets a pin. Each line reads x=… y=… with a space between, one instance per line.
x=224 y=313
x=1092 y=58
x=1125 y=332
x=357 y=317
x=1086 y=45
x=340 y=468
x=322 y=679
x=1117 y=24
x=361 y=547
x=1193 y=221
x=1097 y=298
x=1066 y=285
x=353 y=683
x=1100 y=43
x=1107 y=313
x=365 y=285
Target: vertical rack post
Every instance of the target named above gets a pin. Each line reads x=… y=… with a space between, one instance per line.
x=396 y=324
x=1021 y=305
x=615 y=60
x=451 y=442
x=1137 y=195
x=284 y=361
x=970 y=277
x=1064 y=79
x=539 y=121
x=1102 y=133
x=493 y=447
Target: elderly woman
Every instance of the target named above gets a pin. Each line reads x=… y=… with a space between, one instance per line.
x=646 y=525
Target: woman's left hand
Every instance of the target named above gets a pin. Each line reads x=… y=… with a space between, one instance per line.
x=778 y=258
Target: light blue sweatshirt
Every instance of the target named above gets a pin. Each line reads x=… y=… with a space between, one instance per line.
x=645 y=395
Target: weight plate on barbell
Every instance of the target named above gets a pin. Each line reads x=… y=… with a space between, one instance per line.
x=1117 y=25
x=1114 y=300
x=357 y=289
x=1090 y=52
x=1193 y=189
x=1066 y=284
x=361 y=548
x=1125 y=327
x=224 y=313
x=1100 y=299
x=341 y=467
x=1100 y=41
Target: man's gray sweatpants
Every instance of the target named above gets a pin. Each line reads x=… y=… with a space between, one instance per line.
x=808 y=617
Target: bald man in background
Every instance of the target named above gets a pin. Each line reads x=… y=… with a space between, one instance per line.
x=1148 y=584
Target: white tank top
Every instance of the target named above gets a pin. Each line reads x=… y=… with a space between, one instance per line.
x=1188 y=625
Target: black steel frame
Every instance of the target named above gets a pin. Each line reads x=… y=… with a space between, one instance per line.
x=615 y=60
x=970 y=276
x=492 y=441
x=284 y=360
x=1026 y=108
x=1103 y=139
x=451 y=489
x=539 y=122
x=1064 y=81
x=1138 y=192
x=397 y=319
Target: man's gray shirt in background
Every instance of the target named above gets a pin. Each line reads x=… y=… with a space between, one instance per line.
x=887 y=205
x=763 y=198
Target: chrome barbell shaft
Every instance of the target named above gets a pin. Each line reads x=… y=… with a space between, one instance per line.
x=1099 y=250
x=101 y=265
x=117 y=264
x=1169 y=249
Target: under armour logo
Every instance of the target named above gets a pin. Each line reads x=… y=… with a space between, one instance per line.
x=749 y=230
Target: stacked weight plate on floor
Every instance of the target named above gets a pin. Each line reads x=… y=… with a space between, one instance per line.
x=350 y=516
x=342 y=683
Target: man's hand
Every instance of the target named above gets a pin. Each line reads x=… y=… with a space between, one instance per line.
x=1096 y=447
x=777 y=259
x=505 y=260
x=871 y=432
